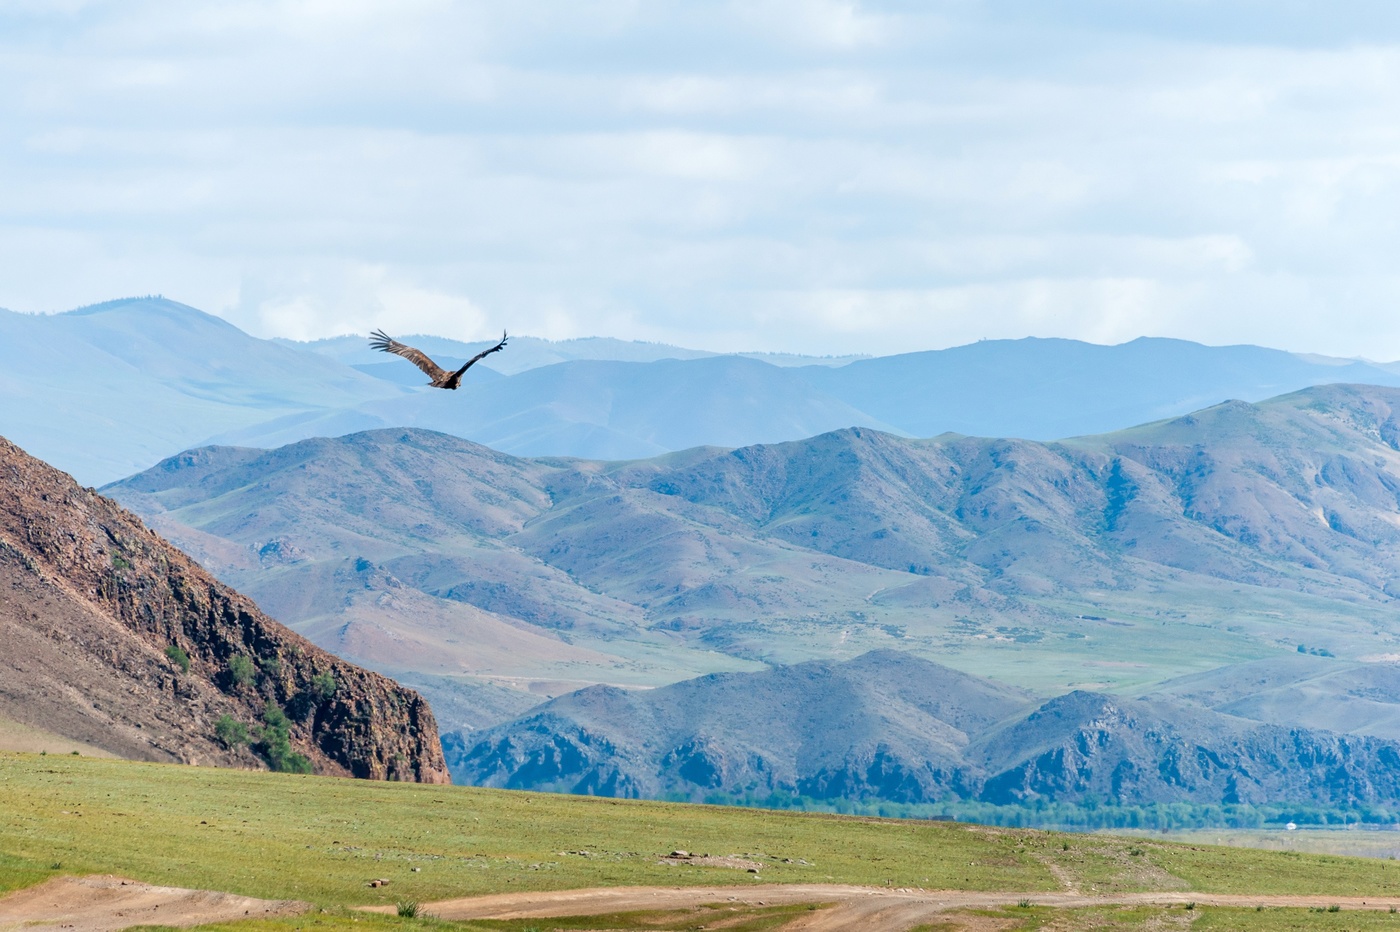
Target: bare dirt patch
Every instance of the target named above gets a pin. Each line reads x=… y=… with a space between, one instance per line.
x=107 y=904
x=872 y=909
x=15 y=736
x=731 y=861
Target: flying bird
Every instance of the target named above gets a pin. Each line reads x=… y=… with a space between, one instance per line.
x=441 y=377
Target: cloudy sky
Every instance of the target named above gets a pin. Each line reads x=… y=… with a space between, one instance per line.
x=804 y=175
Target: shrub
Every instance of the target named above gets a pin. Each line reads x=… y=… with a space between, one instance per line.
x=300 y=706
x=322 y=688
x=179 y=657
x=241 y=670
x=231 y=731
x=272 y=666
x=324 y=684
x=407 y=909
x=275 y=743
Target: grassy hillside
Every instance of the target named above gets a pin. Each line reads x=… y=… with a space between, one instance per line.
x=321 y=839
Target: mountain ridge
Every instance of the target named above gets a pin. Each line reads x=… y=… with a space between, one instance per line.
x=1249 y=529
x=886 y=727
x=114 y=638
x=158 y=377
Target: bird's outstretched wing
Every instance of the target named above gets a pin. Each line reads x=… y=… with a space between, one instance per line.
x=484 y=353
x=382 y=341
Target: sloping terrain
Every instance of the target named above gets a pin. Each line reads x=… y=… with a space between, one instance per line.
x=890 y=727
x=319 y=840
x=111 y=637
x=1311 y=691
x=1241 y=531
x=108 y=389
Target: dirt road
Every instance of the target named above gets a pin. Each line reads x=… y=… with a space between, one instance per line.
x=106 y=904
x=867 y=908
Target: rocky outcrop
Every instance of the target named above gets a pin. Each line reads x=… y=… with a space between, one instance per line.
x=108 y=630
x=889 y=727
x=1085 y=746
x=884 y=726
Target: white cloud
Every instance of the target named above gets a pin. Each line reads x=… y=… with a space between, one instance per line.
x=784 y=174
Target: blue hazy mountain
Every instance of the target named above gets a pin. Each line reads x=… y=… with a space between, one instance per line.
x=108 y=390
x=112 y=388
x=1041 y=389
x=598 y=409
x=532 y=352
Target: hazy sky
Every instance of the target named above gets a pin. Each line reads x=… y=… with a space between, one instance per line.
x=804 y=175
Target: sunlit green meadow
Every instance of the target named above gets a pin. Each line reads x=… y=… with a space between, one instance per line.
x=323 y=840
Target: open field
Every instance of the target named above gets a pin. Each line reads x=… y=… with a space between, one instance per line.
x=323 y=841
x=1358 y=842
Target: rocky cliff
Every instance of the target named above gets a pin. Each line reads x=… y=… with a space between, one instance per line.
x=111 y=636
x=890 y=727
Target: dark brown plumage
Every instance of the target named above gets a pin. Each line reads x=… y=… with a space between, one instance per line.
x=441 y=378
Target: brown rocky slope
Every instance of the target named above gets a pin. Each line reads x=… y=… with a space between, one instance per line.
x=93 y=605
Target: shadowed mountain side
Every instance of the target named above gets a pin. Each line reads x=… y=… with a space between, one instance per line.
x=886 y=725
x=890 y=727
x=1089 y=747
x=110 y=636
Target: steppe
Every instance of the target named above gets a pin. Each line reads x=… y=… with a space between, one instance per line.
x=489 y=859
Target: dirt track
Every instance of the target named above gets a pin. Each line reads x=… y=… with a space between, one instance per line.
x=867 y=908
x=105 y=904
x=108 y=904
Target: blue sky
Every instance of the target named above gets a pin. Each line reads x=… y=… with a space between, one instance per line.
x=798 y=175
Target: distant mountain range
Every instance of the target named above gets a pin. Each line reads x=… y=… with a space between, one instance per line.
x=889 y=727
x=111 y=389
x=1111 y=563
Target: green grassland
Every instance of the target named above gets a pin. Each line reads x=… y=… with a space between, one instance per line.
x=322 y=840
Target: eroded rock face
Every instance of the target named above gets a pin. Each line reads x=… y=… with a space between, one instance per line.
x=892 y=727
x=99 y=617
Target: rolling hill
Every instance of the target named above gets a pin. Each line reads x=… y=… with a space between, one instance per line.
x=1110 y=563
